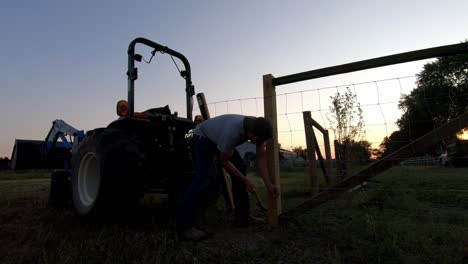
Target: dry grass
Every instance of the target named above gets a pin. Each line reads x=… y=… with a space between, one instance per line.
x=412 y=215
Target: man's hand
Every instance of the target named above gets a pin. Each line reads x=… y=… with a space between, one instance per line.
x=250 y=186
x=273 y=191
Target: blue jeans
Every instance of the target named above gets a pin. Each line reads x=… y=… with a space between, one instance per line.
x=205 y=174
x=205 y=178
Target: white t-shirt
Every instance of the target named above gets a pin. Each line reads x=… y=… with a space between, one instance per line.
x=226 y=131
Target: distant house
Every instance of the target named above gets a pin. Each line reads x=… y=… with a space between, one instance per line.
x=247 y=152
x=289 y=158
x=26 y=155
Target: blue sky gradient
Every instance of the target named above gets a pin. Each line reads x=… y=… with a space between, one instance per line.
x=67 y=60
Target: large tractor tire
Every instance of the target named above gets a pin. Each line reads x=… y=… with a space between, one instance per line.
x=60 y=190
x=106 y=174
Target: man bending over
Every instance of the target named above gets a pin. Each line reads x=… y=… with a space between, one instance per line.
x=221 y=135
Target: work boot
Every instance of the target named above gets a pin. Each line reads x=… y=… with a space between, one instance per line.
x=193 y=234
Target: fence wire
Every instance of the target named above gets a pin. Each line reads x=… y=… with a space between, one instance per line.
x=379 y=101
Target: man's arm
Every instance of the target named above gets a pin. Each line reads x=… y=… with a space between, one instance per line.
x=262 y=170
x=232 y=170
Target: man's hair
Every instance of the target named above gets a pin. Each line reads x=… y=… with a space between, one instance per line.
x=262 y=128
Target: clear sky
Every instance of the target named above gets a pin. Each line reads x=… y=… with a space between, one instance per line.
x=67 y=59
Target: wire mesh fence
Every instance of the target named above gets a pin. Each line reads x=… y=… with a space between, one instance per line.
x=382 y=110
x=379 y=104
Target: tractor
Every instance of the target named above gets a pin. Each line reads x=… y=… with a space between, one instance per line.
x=111 y=168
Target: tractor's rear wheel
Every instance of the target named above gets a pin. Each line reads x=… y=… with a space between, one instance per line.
x=106 y=174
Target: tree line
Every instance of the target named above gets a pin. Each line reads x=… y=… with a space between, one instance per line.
x=441 y=94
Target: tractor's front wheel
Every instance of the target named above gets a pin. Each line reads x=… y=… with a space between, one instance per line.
x=106 y=171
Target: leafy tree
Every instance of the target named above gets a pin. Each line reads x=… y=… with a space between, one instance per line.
x=359 y=151
x=346 y=120
x=347 y=123
x=377 y=153
x=300 y=152
x=441 y=94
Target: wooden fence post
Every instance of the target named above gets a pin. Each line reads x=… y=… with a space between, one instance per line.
x=340 y=158
x=326 y=141
x=310 y=142
x=337 y=159
x=272 y=147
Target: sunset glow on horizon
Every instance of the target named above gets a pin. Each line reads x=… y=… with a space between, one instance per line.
x=68 y=61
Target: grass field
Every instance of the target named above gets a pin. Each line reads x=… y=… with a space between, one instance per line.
x=407 y=215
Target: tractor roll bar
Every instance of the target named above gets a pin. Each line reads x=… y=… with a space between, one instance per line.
x=132 y=73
